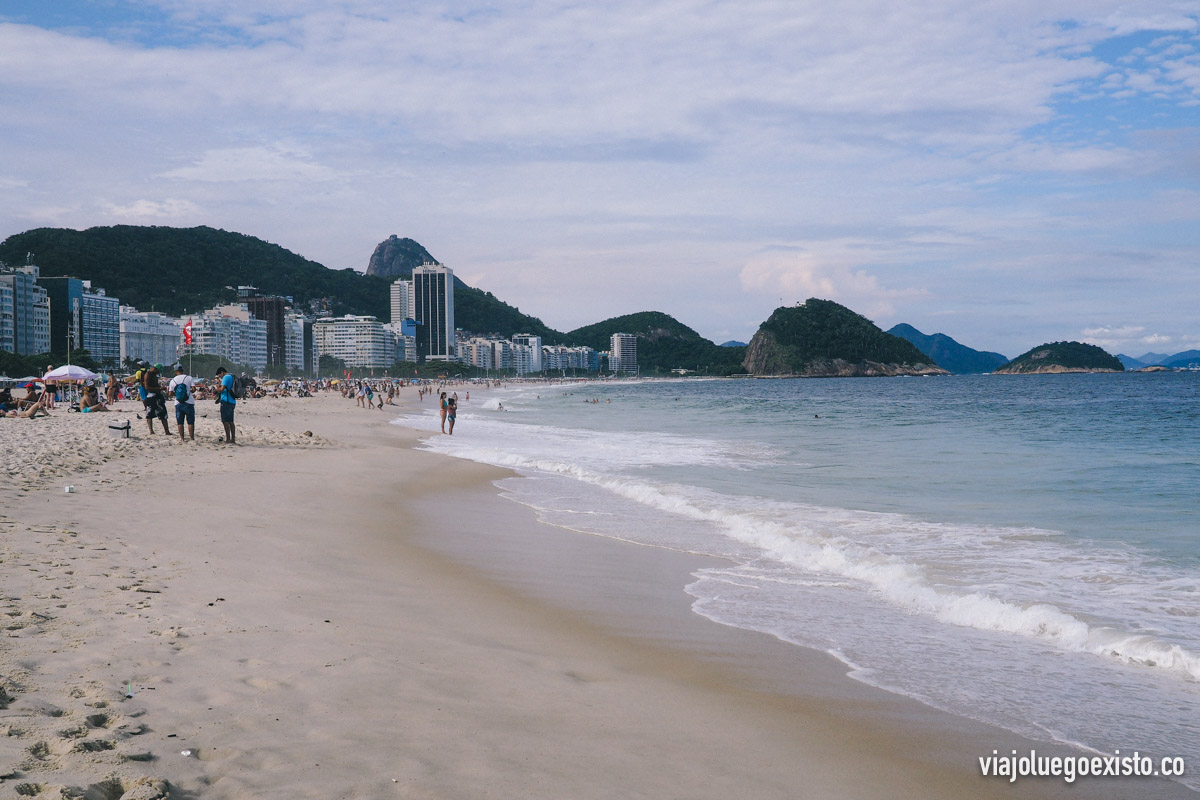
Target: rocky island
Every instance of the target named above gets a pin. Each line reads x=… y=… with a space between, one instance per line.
x=1056 y=357
x=821 y=339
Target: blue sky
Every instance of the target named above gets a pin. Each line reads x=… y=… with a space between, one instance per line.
x=1007 y=172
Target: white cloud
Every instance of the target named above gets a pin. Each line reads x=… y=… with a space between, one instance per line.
x=140 y=211
x=796 y=276
x=237 y=164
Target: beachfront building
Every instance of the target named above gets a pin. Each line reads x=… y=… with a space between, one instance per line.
x=273 y=311
x=360 y=341
x=622 y=353
x=433 y=311
x=7 y=335
x=478 y=352
x=300 y=351
x=558 y=357
x=405 y=332
x=501 y=354
x=532 y=352
x=403 y=301
x=27 y=307
x=230 y=332
x=83 y=318
x=148 y=336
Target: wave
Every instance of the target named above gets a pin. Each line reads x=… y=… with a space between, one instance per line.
x=817 y=541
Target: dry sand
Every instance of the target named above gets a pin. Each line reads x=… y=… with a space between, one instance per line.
x=344 y=616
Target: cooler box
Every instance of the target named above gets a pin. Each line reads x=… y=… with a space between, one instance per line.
x=119 y=428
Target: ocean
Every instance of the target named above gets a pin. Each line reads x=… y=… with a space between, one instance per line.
x=1016 y=549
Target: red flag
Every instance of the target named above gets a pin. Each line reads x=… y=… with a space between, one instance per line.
x=187 y=332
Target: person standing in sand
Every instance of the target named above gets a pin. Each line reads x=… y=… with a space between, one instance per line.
x=451 y=412
x=228 y=402
x=180 y=388
x=443 y=411
x=156 y=400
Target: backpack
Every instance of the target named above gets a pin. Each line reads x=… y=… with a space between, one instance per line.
x=181 y=392
x=239 y=388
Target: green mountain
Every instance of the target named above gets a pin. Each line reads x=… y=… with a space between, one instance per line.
x=186 y=270
x=947 y=353
x=1063 y=357
x=663 y=343
x=820 y=338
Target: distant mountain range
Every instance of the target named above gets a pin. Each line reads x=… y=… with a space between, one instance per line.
x=186 y=270
x=949 y=354
x=1183 y=359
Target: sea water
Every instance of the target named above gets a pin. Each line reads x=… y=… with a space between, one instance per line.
x=1021 y=550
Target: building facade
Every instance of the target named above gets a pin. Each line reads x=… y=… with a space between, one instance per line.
x=557 y=357
x=403 y=305
x=622 y=353
x=231 y=333
x=530 y=359
x=433 y=307
x=273 y=311
x=148 y=336
x=82 y=317
x=362 y=342
x=28 y=309
x=300 y=353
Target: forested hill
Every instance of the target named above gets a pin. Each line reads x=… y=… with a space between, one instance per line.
x=1063 y=357
x=664 y=343
x=186 y=270
x=823 y=338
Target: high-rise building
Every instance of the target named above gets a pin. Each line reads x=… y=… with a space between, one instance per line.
x=7 y=334
x=83 y=318
x=271 y=310
x=230 y=332
x=433 y=307
x=530 y=361
x=149 y=336
x=403 y=306
x=623 y=353
x=300 y=344
x=28 y=307
x=361 y=342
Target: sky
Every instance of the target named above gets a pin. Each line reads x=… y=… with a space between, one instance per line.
x=1007 y=172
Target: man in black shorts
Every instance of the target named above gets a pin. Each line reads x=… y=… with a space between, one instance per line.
x=156 y=399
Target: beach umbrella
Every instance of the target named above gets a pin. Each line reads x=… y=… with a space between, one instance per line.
x=70 y=372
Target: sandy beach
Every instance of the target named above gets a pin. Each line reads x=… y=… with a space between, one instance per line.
x=342 y=615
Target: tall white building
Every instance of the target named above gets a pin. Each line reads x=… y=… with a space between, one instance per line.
x=230 y=332
x=622 y=353
x=28 y=307
x=403 y=301
x=300 y=352
x=433 y=309
x=149 y=336
x=534 y=345
x=8 y=341
x=362 y=342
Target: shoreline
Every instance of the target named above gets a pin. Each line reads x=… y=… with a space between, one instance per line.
x=415 y=634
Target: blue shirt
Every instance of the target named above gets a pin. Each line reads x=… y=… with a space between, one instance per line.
x=227 y=390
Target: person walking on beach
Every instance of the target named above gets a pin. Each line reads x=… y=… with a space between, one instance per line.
x=228 y=401
x=451 y=412
x=443 y=411
x=110 y=389
x=181 y=387
x=156 y=401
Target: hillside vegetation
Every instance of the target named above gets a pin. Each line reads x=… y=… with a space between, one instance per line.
x=186 y=270
x=664 y=343
x=823 y=338
x=1063 y=357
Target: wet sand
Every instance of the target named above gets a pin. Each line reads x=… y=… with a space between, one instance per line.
x=344 y=616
